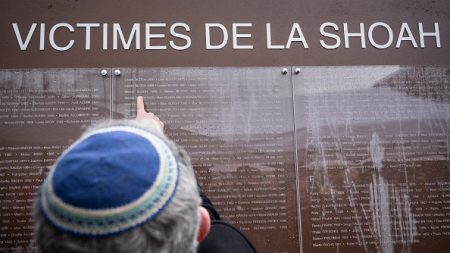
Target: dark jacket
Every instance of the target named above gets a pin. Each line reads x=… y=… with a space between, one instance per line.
x=222 y=237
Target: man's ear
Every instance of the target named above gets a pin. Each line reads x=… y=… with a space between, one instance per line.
x=204 y=224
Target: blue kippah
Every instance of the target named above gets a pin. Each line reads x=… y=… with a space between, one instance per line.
x=109 y=181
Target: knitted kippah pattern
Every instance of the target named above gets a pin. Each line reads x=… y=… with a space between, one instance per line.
x=109 y=181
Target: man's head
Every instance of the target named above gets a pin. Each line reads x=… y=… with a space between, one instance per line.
x=122 y=187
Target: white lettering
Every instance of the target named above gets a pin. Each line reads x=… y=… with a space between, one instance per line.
x=237 y=35
x=180 y=36
x=24 y=44
x=42 y=37
x=269 y=39
x=429 y=34
x=330 y=35
x=357 y=34
x=52 y=37
x=149 y=35
x=390 y=35
x=405 y=28
x=301 y=38
x=105 y=36
x=88 y=27
x=135 y=32
x=208 y=27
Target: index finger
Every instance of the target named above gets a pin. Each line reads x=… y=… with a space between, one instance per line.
x=140 y=107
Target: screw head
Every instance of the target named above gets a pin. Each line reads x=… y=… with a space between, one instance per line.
x=284 y=71
x=104 y=72
x=297 y=71
x=117 y=72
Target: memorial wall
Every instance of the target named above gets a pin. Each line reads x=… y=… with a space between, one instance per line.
x=314 y=127
x=352 y=158
x=42 y=111
x=373 y=151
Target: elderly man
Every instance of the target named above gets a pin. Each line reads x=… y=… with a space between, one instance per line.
x=125 y=187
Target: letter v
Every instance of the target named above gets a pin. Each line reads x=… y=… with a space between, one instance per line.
x=23 y=45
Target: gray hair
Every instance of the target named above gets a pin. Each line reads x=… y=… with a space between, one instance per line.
x=173 y=230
